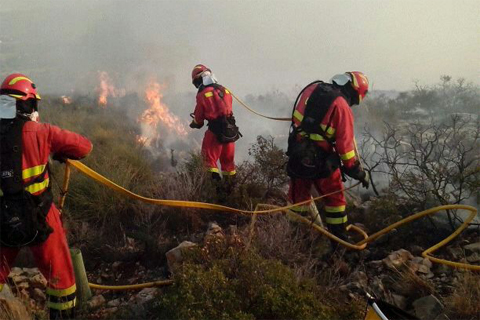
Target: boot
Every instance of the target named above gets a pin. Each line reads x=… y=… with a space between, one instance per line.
x=340 y=231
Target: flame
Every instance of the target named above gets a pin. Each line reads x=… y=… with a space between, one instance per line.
x=106 y=88
x=158 y=112
x=66 y=99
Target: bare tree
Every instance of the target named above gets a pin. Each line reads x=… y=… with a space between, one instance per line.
x=428 y=163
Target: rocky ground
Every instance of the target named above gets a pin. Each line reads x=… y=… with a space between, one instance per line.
x=402 y=277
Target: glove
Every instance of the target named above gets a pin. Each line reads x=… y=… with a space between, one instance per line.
x=60 y=158
x=357 y=173
x=195 y=125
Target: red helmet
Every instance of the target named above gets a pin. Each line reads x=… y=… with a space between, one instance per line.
x=20 y=87
x=360 y=84
x=198 y=70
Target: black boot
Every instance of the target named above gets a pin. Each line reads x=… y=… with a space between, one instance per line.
x=340 y=231
x=229 y=183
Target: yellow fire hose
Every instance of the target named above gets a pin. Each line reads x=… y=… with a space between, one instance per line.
x=201 y=205
x=257 y=113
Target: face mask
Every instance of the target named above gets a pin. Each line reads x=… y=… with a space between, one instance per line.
x=8 y=109
x=34 y=116
x=208 y=78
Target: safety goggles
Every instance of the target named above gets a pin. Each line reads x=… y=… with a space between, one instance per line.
x=8 y=107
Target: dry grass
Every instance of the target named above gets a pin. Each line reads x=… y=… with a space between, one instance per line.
x=464 y=303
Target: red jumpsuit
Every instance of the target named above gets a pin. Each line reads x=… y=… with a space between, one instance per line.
x=211 y=105
x=52 y=257
x=338 y=123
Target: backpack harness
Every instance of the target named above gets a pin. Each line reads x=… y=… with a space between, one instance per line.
x=22 y=215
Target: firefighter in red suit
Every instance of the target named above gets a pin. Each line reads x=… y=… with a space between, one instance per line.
x=214 y=104
x=18 y=104
x=335 y=137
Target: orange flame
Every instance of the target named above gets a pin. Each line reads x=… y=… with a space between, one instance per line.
x=107 y=89
x=158 y=112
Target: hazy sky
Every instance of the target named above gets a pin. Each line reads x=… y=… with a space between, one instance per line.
x=252 y=46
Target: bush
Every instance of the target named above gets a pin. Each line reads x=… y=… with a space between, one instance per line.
x=225 y=282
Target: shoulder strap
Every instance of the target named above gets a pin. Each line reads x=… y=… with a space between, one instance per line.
x=11 y=156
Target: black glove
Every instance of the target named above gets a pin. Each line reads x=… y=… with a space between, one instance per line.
x=357 y=173
x=60 y=158
x=195 y=125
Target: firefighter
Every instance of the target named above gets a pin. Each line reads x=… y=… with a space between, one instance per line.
x=321 y=143
x=214 y=104
x=28 y=216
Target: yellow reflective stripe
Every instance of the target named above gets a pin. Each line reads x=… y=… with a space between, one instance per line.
x=213 y=170
x=36 y=187
x=334 y=209
x=38 y=97
x=336 y=220
x=1 y=287
x=16 y=79
x=209 y=94
x=313 y=136
x=348 y=155
x=227 y=92
x=297 y=115
x=17 y=96
x=62 y=305
x=229 y=173
x=330 y=131
x=33 y=171
x=61 y=292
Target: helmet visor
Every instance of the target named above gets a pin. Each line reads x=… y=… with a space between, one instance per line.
x=8 y=107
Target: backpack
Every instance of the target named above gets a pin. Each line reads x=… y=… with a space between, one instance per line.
x=306 y=159
x=22 y=215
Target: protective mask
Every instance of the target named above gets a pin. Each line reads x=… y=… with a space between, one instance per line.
x=208 y=78
x=8 y=107
x=34 y=116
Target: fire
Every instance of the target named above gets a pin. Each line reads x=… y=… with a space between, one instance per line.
x=106 y=89
x=158 y=112
x=66 y=99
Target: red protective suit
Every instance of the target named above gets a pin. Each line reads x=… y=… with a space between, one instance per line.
x=338 y=125
x=214 y=101
x=52 y=257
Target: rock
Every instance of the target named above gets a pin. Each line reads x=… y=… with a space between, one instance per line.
x=31 y=271
x=17 y=279
x=39 y=294
x=214 y=232
x=22 y=285
x=416 y=250
x=399 y=301
x=442 y=316
x=472 y=247
x=397 y=259
x=474 y=258
x=455 y=253
x=146 y=295
x=96 y=301
x=15 y=271
x=174 y=256
x=428 y=307
x=114 y=303
x=115 y=265
x=13 y=308
x=38 y=281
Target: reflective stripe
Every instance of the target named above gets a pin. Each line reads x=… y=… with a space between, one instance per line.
x=18 y=96
x=347 y=156
x=61 y=292
x=209 y=94
x=330 y=131
x=62 y=305
x=36 y=187
x=16 y=79
x=229 y=173
x=1 y=287
x=33 y=171
x=313 y=136
x=213 y=170
x=227 y=92
x=336 y=220
x=298 y=115
x=334 y=209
